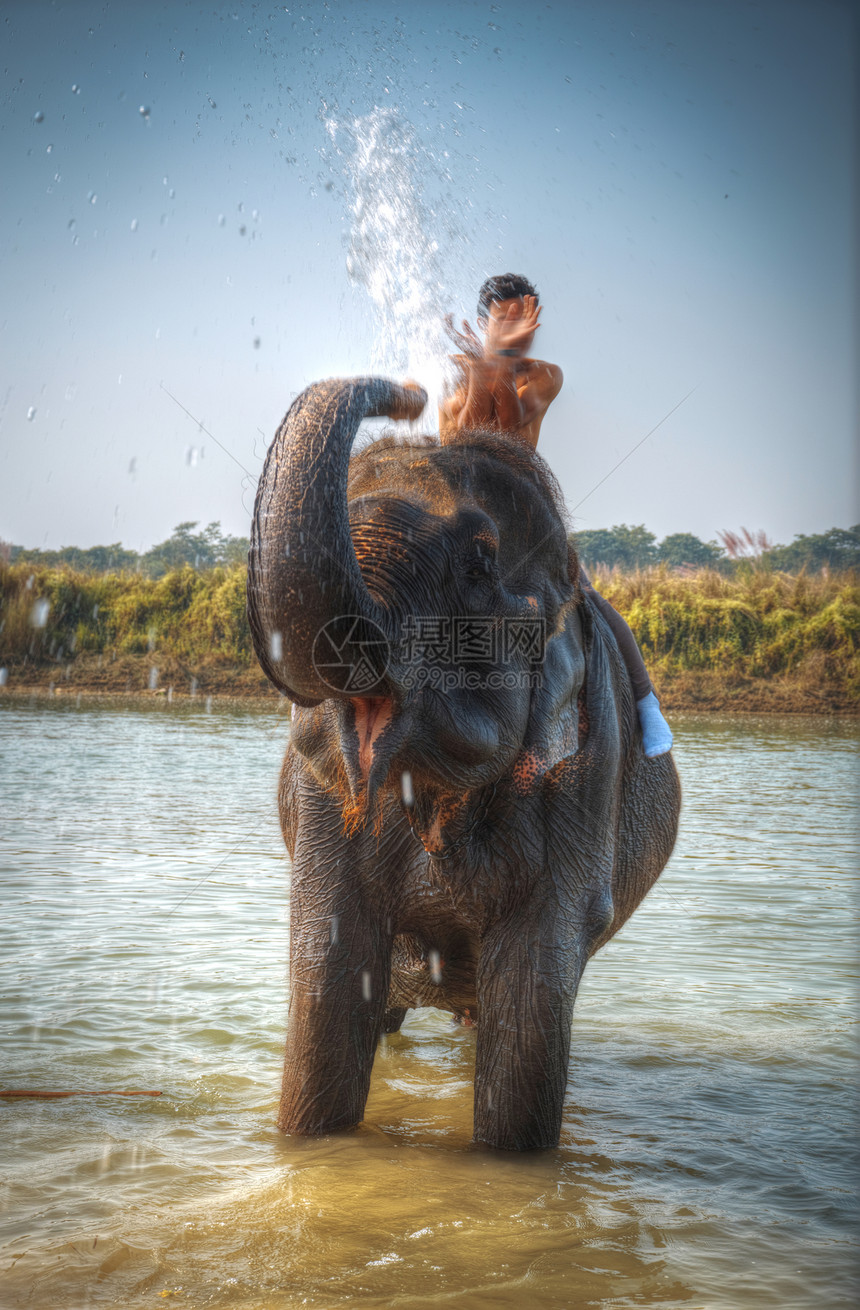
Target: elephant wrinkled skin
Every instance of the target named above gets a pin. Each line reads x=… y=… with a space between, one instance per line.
x=467 y=826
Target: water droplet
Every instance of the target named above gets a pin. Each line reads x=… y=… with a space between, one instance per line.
x=31 y=413
x=332 y=930
x=191 y=457
x=38 y=117
x=134 y=225
x=153 y=677
x=4 y=677
x=212 y=102
x=92 y=197
x=76 y=90
x=182 y=56
x=435 y=961
x=256 y=343
x=221 y=220
x=95 y=611
x=406 y=791
x=276 y=645
x=144 y=111
x=49 y=148
x=208 y=704
x=193 y=687
x=366 y=985
x=39 y=613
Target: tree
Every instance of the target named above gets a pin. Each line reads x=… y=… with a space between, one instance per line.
x=90 y=559
x=682 y=549
x=838 y=548
x=198 y=550
x=621 y=547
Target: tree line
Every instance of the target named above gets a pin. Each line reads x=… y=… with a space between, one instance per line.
x=630 y=548
x=203 y=550
x=623 y=546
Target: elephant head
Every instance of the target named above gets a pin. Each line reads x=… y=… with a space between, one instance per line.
x=413 y=591
x=419 y=605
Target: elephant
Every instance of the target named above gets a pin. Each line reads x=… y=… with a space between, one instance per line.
x=464 y=795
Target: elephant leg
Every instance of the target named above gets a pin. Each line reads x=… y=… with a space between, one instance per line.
x=339 y=975
x=527 y=981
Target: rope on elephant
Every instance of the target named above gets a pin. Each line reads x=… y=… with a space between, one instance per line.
x=53 y=1096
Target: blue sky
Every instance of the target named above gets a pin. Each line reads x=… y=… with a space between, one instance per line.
x=181 y=184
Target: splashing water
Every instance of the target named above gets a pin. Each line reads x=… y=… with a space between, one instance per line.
x=400 y=199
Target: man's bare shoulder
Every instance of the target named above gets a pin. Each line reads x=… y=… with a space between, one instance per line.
x=545 y=377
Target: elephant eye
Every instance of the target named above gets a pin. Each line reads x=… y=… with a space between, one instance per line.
x=478 y=569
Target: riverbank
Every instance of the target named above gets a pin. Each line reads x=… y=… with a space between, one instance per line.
x=129 y=678
x=760 y=643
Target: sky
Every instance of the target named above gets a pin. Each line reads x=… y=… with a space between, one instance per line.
x=209 y=207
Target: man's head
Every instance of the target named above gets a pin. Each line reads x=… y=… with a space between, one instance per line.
x=500 y=289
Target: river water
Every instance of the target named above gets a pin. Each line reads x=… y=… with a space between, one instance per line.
x=708 y=1150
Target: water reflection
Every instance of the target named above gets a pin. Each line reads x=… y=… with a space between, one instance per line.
x=705 y=1156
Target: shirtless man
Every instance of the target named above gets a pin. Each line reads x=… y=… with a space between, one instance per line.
x=500 y=387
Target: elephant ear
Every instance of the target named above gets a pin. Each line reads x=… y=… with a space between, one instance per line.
x=582 y=671
x=553 y=726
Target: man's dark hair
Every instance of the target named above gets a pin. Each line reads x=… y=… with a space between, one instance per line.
x=506 y=286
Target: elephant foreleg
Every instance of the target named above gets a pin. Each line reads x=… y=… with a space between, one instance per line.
x=339 y=985
x=526 y=989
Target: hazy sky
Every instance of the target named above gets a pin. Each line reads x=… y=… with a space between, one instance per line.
x=183 y=184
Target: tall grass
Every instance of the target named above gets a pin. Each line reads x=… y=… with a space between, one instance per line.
x=53 y=614
x=756 y=624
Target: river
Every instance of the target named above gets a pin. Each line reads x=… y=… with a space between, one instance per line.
x=708 y=1150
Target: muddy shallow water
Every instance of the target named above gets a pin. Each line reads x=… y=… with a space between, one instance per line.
x=707 y=1156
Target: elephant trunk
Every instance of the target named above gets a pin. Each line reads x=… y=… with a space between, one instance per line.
x=316 y=629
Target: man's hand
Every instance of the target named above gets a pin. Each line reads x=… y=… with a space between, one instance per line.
x=514 y=328
x=466 y=340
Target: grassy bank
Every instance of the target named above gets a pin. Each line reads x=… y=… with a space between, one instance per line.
x=759 y=641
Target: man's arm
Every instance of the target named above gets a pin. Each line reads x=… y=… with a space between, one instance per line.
x=498 y=387
x=488 y=394
x=491 y=399
x=509 y=335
